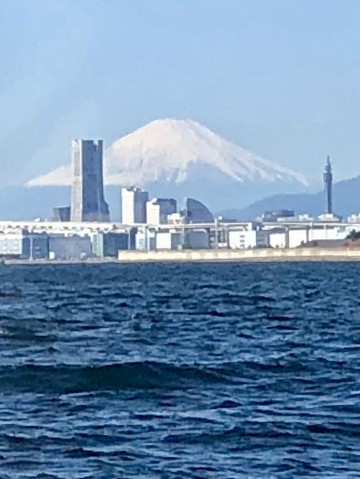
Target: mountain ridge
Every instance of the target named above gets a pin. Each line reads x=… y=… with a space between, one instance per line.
x=345 y=193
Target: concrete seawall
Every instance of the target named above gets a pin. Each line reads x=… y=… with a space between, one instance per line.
x=296 y=254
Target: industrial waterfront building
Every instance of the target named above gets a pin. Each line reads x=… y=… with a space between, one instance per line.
x=87 y=195
x=108 y=245
x=145 y=239
x=24 y=245
x=168 y=240
x=249 y=238
x=69 y=247
x=74 y=241
x=158 y=224
x=198 y=239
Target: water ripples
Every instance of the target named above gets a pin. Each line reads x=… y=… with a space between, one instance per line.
x=181 y=371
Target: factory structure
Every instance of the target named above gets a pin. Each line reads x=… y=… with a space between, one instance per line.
x=79 y=241
x=84 y=230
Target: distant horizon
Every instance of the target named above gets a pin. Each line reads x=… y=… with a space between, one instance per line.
x=26 y=204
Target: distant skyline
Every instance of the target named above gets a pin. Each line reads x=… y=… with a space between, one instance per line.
x=279 y=77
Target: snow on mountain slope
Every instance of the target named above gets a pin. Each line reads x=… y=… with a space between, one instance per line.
x=173 y=151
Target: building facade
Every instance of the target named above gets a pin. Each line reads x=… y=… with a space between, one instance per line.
x=198 y=239
x=72 y=247
x=133 y=205
x=87 y=200
x=108 y=245
x=24 y=245
x=145 y=239
x=158 y=210
x=239 y=239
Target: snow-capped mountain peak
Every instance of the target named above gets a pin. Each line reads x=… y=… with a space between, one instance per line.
x=175 y=151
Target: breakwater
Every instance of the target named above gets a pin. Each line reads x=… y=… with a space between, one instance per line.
x=220 y=255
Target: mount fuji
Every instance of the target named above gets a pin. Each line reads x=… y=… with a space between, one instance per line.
x=181 y=158
x=169 y=151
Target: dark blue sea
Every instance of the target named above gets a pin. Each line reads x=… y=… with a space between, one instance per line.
x=181 y=371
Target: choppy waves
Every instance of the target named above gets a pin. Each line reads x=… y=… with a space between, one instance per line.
x=181 y=371
x=64 y=379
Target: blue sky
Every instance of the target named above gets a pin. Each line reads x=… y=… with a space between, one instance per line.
x=279 y=77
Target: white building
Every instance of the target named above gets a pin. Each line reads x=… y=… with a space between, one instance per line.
x=329 y=218
x=145 y=239
x=277 y=238
x=158 y=210
x=166 y=240
x=295 y=237
x=241 y=239
x=133 y=205
x=176 y=219
x=354 y=218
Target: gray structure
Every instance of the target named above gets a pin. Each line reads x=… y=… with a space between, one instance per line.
x=328 y=180
x=276 y=215
x=87 y=201
x=69 y=247
x=198 y=239
x=108 y=245
x=62 y=213
x=197 y=212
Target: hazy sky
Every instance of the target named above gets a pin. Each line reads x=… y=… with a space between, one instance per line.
x=279 y=77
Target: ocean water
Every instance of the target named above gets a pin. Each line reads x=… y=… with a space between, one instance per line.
x=181 y=371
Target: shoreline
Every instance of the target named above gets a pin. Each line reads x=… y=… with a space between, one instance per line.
x=209 y=256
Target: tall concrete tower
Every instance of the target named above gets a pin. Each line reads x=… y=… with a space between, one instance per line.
x=87 y=199
x=328 y=180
